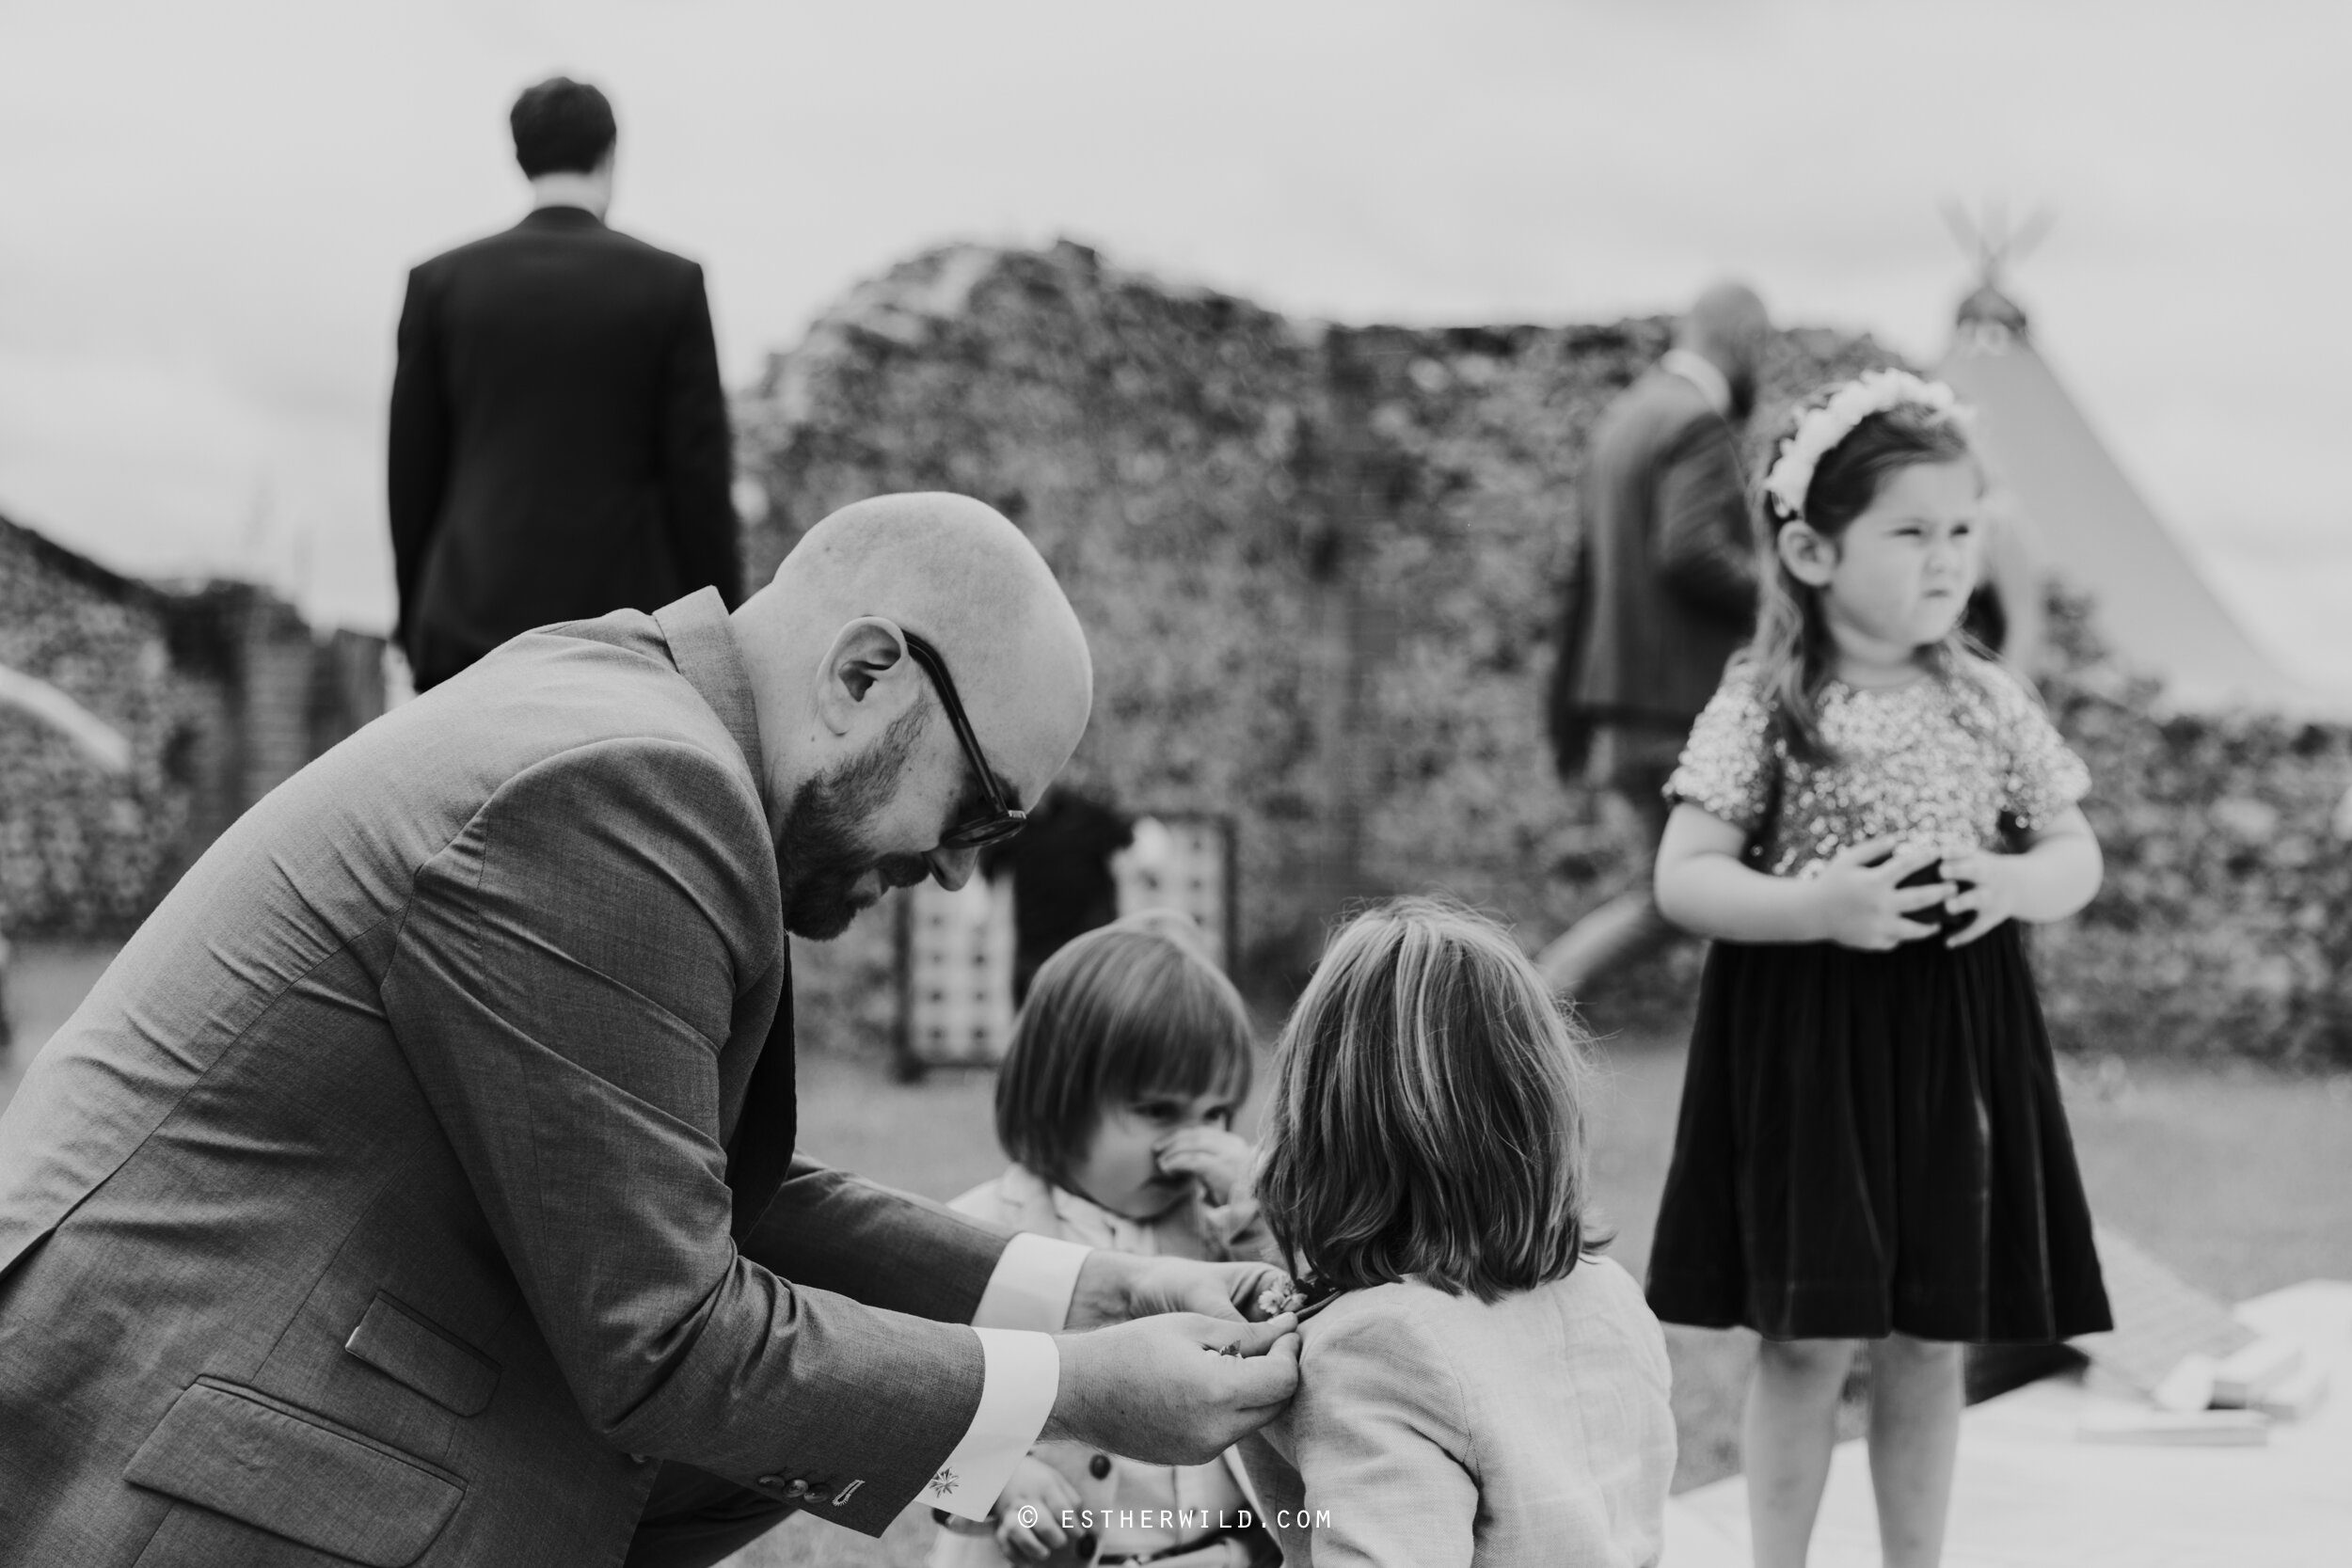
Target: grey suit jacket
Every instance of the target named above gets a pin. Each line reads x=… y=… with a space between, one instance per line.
x=387 y=1201
x=1663 y=590
x=1433 y=1431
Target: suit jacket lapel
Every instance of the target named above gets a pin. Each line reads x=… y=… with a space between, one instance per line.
x=760 y=1152
x=702 y=645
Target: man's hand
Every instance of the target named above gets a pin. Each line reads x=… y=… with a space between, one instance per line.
x=1115 y=1288
x=1041 y=1490
x=1176 y=1389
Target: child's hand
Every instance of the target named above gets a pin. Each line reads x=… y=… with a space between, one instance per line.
x=1218 y=1159
x=1039 y=1492
x=1859 y=904
x=1989 y=879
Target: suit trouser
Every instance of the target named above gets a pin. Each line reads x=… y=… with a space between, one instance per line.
x=694 y=1519
x=1631 y=765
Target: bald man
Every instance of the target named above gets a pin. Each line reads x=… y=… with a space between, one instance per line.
x=418 y=1186
x=1662 y=594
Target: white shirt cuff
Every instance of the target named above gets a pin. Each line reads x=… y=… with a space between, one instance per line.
x=1035 y=1279
x=1021 y=1375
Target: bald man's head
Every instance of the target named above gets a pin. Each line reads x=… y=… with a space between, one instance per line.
x=1729 y=327
x=837 y=692
x=956 y=573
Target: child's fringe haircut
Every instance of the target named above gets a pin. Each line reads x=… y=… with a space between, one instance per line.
x=1132 y=1009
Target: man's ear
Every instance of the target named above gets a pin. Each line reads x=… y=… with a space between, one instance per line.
x=1810 y=558
x=865 y=662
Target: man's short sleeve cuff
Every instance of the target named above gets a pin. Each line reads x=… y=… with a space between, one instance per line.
x=1035 y=1279
x=1020 y=1380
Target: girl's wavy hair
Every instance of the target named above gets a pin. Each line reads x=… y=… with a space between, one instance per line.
x=1428 y=1119
x=1791 y=653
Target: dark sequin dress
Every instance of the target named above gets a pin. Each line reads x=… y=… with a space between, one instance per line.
x=1874 y=1142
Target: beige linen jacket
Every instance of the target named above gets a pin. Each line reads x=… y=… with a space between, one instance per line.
x=1433 y=1431
x=404 y=1188
x=1106 y=1482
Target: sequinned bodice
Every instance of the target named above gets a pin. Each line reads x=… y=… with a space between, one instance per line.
x=1942 y=760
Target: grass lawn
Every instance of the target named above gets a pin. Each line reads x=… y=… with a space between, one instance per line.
x=2238 y=1179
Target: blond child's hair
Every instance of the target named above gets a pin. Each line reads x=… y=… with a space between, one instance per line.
x=1427 y=1120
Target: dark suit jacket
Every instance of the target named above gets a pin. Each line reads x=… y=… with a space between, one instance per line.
x=1664 y=589
x=558 y=439
x=404 y=1188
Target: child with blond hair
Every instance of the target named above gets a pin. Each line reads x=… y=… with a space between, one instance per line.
x=1477 y=1386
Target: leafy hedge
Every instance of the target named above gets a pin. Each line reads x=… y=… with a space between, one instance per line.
x=2224 y=928
x=82 y=851
x=1319 y=567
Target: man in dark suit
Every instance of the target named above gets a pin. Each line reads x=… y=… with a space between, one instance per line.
x=1663 y=591
x=418 y=1185
x=559 y=438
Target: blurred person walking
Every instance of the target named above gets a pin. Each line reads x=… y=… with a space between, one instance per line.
x=1663 y=592
x=2008 y=615
x=559 y=444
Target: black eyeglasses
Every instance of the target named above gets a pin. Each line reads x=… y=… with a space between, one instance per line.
x=1002 y=819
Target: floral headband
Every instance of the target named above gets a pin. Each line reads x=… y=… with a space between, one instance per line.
x=1822 y=428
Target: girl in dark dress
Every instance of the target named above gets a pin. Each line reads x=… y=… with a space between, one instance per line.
x=1871 y=1145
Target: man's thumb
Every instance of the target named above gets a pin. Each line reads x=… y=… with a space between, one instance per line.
x=1257 y=1338
x=1271 y=1379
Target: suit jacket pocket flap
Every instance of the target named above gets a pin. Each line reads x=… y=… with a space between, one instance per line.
x=402 y=1345
x=279 y=1470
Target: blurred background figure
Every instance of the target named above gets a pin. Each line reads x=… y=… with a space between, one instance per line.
x=1062 y=882
x=1660 y=593
x=559 y=441
x=2009 y=610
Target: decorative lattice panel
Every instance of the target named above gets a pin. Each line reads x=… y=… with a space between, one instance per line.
x=956 y=949
x=957 y=973
x=1184 y=863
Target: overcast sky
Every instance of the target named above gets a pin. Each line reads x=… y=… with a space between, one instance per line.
x=206 y=210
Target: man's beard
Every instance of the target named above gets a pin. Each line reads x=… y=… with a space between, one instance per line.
x=821 y=851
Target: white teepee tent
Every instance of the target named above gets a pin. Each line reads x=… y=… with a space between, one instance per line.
x=2092 y=527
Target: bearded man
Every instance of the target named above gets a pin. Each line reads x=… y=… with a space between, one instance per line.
x=418 y=1186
